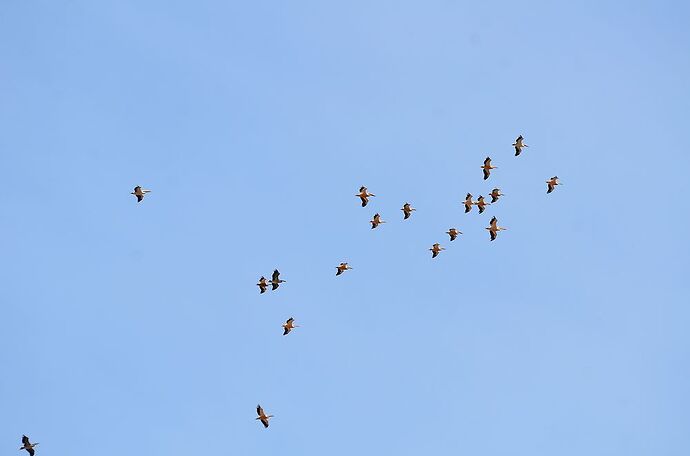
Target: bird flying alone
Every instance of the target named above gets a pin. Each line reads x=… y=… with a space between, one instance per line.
x=289 y=325
x=263 y=285
x=364 y=195
x=28 y=446
x=551 y=184
x=342 y=267
x=262 y=416
x=519 y=145
x=376 y=221
x=453 y=233
x=275 y=280
x=495 y=194
x=435 y=250
x=494 y=228
x=481 y=204
x=407 y=210
x=139 y=193
x=487 y=167
x=468 y=203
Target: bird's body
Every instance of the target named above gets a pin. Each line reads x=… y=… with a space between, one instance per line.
x=481 y=204
x=407 y=210
x=263 y=285
x=495 y=194
x=342 y=267
x=468 y=203
x=376 y=221
x=276 y=280
x=364 y=195
x=487 y=167
x=518 y=144
x=262 y=416
x=453 y=233
x=551 y=184
x=27 y=445
x=494 y=228
x=435 y=250
x=139 y=193
x=289 y=325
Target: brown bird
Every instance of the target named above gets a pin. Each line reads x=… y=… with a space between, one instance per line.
x=481 y=204
x=407 y=210
x=435 y=250
x=494 y=228
x=519 y=145
x=28 y=446
x=263 y=285
x=262 y=416
x=342 y=267
x=468 y=203
x=495 y=194
x=275 y=281
x=139 y=193
x=376 y=221
x=364 y=195
x=551 y=184
x=453 y=233
x=487 y=167
x=289 y=326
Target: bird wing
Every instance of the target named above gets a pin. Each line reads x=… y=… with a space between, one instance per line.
x=519 y=139
x=362 y=189
x=486 y=174
x=468 y=207
x=339 y=271
x=364 y=200
x=481 y=208
x=551 y=187
x=139 y=198
x=493 y=222
x=286 y=330
x=259 y=410
x=407 y=215
x=264 y=421
x=31 y=451
x=25 y=440
x=493 y=234
x=289 y=321
x=494 y=198
x=487 y=161
x=275 y=275
x=517 y=150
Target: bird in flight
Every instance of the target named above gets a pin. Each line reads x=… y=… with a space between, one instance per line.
x=407 y=210
x=435 y=250
x=481 y=204
x=494 y=228
x=551 y=184
x=289 y=326
x=468 y=203
x=376 y=221
x=519 y=145
x=262 y=285
x=139 y=193
x=28 y=446
x=342 y=267
x=495 y=194
x=364 y=195
x=453 y=233
x=275 y=280
x=262 y=416
x=487 y=167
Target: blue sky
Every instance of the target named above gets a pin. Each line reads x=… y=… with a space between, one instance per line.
x=137 y=328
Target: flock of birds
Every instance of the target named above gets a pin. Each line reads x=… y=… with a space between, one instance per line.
x=364 y=196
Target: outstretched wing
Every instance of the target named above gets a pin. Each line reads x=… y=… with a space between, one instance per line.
x=25 y=440
x=493 y=234
x=139 y=198
x=264 y=421
x=275 y=275
x=259 y=410
x=517 y=150
x=286 y=330
x=487 y=161
x=365 y=200
x=486 y=173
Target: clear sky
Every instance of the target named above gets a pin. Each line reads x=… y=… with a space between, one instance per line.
x=132 y=328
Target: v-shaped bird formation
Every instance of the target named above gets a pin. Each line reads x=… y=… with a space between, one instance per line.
x=364 y=196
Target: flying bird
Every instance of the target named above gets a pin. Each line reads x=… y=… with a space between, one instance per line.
x=435 y=250
x=481 y=204
x=262 y=416
x=342 y=267
x=407 y=210
x=139 y=193
x=376 y=221
x=262 y=285
x=453 y=233
x=275 y=281
x=494 y=228
x=487 y=167
x=519 y=145
x=364 y=195
x=551 y=184
x=495 y=194
x=28 y=446
x=468 y=203
x=289 y=326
